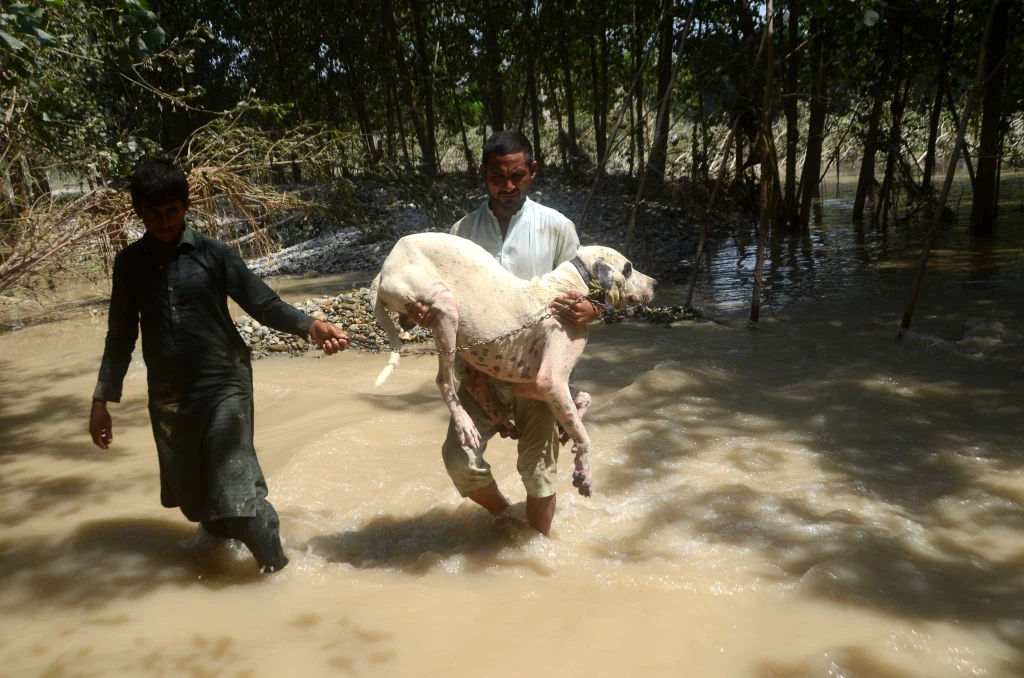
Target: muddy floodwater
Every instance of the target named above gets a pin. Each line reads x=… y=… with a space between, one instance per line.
x=807 y=499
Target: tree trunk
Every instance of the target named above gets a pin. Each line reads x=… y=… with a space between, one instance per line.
x=531 y=84
x=406 y=86
x=426 y=72
x=940 y=204
x=357 y=95
x=866 y=182
x=566 y=67
x=986 y=193
x=600 y=67
x=663 y=106
x=816 y=121
x=767 y=175
x=942 y=76
x=492 y=59
x=892 y=159
x=791 y=208
x=656 y=160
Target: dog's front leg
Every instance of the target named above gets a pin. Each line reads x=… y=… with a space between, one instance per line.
x=559 y=398
x=445 y=338
x=561 y=403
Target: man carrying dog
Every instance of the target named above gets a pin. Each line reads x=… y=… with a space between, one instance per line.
x=174 y=283
x=529 y=240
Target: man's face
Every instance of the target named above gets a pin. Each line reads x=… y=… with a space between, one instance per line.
x=508 y=180
x=163 y=222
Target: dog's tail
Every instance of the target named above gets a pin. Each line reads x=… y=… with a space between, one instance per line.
x=380 y=312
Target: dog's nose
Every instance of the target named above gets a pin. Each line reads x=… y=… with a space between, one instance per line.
x=654 y=284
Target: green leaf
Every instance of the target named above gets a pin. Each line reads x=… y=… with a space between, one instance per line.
x=45 y=38
x=11 y=42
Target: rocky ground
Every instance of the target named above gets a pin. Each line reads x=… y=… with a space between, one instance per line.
x=665 y=242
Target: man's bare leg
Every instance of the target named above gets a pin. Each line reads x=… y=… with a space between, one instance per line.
x=491 y=499
x=540 y=512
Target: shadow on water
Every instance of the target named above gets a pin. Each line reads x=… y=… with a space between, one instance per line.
x=881 y=423
x=419 y=544
x=40 y=430
x=109 y=560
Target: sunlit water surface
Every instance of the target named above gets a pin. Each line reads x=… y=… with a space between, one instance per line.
x=808 y=498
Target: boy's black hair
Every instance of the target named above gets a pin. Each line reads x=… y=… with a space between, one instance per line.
x=158 y=182
x=507 y=142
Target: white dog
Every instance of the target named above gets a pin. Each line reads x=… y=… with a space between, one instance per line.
x=500 y=323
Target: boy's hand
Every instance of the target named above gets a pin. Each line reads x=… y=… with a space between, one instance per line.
x=100 y=428
x=329 y=337
x=570 y=314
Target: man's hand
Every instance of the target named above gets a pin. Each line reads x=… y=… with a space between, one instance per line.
x=329 y=337
x=100 y=428
x=420 y=314
x=573 y=313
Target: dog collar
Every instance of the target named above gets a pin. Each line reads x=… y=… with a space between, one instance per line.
x=594 y=291
x=581 y=269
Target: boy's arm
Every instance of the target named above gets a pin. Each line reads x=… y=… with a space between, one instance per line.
x=262 y=303
x=258 y=300
x=122 y=331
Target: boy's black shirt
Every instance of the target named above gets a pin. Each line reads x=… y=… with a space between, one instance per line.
x=189 y=342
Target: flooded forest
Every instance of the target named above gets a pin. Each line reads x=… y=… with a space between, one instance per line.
x=806 y=450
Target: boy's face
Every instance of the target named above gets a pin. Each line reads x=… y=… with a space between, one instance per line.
x=165 y=222
x=508 y=180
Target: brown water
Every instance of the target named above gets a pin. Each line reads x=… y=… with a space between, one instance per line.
x=806 y=499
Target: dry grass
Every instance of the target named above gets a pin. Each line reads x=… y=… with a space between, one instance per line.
x=77 y=236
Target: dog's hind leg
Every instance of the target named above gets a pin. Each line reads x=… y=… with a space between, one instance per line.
x=445 y=338
x=563 y=403
x=580 y=399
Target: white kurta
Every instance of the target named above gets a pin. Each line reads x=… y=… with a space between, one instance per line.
x=538 y=239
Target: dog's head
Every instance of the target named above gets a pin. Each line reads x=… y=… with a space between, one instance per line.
x=614 y=273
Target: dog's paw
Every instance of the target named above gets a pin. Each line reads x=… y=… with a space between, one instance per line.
x=581 y=472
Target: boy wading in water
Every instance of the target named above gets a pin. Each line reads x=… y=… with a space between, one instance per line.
x=174 y=284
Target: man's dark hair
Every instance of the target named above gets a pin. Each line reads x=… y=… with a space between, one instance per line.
x=507 y=142
x=158 y=182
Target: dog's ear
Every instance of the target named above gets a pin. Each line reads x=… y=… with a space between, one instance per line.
x=604 y=274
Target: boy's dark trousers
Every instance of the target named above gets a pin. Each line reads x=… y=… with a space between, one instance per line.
x=260 y=533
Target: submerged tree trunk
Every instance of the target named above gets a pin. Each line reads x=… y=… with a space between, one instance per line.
x=884 y=202
x=866 y=182
x=816 y=121
x=791 y=208
x=986 y=193
x=940 y=204
x=767 y=174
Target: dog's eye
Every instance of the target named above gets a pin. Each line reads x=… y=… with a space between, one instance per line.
x=627 y=270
